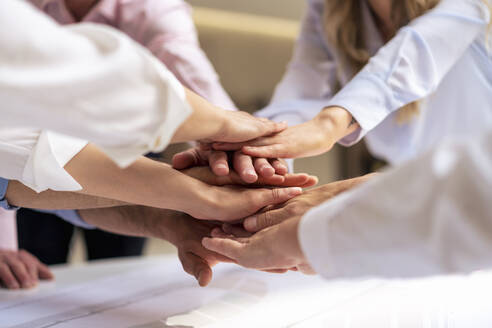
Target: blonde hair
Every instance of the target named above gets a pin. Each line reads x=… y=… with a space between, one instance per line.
x=343 y=29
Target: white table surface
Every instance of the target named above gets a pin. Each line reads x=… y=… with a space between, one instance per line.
x=290 y=300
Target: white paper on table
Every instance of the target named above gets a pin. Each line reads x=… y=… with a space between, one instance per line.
x=161 y=296
x=164 y=296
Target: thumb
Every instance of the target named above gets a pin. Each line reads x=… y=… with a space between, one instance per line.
x=197 y=267
x=186 y=159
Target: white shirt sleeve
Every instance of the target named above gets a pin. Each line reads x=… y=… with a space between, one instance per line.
x=412 y=65
x=85 y=80
x=37 y=158
x=429 y=216
x=310 y=79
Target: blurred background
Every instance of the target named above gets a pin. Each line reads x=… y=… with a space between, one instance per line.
x=250 y=44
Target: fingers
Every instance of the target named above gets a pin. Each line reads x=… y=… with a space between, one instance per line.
x=44 y=272
x=274 y=180
x=218 y=163
x=278 y=271
x=20 y=272
x=7 y=277
x=270 y=127
x=296 y=180
x=263 y=197
x=259 y=142
x=236 y=231
x=227 y=247
x=243 y=165
x=186 y=159
x=31 y=264
x=312 y=181
x=266 y=219
x=263 y=167
x=197 y=267
x=279 y=166
x=270 y=151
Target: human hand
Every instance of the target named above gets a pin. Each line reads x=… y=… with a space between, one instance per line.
x=248 y=168
x=233 y=203
x=312 y=138
x=186 y=234
x=204 y=174
x=274 y=249
x=20 y=269
x=212 y=124
x=298 y=206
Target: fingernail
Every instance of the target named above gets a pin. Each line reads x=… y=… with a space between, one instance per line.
x=294 y=191
x=251 y=175
x=221 y=166
x=197 y=275
x=250 y=223
x=205 y=241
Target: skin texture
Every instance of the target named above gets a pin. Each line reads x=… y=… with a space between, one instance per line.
x=21 y=196
x=249 y=169
x=151 y=183
x=184 y=232
x=221 y=125
x=298 y=206
x=274 y=249
x=20 y=269
x=318 y=136
x=275 y=246
x=205 y=174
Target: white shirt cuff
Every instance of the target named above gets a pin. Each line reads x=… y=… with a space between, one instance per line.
x=314 y=235
x=45 y=166
x=369 y=101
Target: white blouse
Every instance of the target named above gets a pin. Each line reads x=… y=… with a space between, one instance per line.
x=431 y=215
x=86 y=81
x=441 y=58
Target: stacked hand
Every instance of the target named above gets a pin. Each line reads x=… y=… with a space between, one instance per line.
x=276 y=247
x=248 y=168
x=312 y=138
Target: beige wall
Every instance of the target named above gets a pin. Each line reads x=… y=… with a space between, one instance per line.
x=292 y=9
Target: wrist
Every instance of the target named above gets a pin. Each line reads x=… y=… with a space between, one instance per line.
x=164 y=225
x=203 y=112
x=202 y=201
x=336 y=120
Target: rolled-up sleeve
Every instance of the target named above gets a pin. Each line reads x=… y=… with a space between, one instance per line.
x=37 y=158
x=411 y=66
x=88 y=81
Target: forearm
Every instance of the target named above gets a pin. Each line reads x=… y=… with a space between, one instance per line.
x=337 y=120
x=137 y=221
x=206 y=120
x=146 y=182
x=21 y=196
